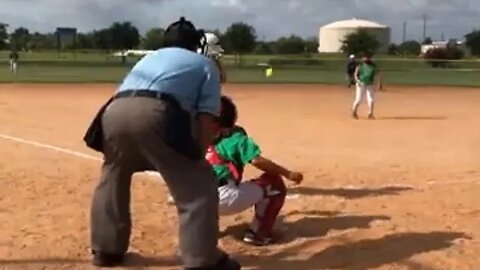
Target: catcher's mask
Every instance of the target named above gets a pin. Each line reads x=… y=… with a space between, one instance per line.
x=212 y=47
x=183 y=34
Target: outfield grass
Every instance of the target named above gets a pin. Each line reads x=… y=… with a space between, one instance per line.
x=52 y=67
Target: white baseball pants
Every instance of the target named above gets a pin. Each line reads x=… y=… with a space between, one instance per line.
x=266 y=194
x=13 y=66
x=236 y=199
x=362 y=90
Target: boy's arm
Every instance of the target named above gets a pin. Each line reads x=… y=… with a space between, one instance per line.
x=355 y=75
x=250 y=153
x=271 y=167
x=379 y=80
x=206 y=129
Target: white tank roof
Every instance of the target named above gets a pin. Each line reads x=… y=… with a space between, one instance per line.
x=353 y=23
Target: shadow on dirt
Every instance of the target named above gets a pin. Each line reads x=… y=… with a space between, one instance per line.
x=132 y=260
x=42 y=261
x=312 y=224
x=412 y=118
x=363 y=254
x=352 y=193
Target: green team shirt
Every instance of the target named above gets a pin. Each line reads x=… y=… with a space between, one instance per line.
x=237 y=148
x=366 y=73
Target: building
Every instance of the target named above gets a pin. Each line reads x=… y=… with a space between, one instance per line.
x=66 y=37
x=331 y=35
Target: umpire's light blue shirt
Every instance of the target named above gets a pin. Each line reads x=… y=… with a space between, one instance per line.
x=188 y=76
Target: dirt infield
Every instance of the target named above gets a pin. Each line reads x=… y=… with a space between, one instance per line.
x=399 y=192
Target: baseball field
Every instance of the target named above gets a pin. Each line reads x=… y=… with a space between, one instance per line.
x=398 y=192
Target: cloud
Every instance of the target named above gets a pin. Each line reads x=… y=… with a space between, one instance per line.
x=271 y=18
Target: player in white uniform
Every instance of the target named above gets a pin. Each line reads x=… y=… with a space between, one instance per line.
x=13 y=60
x=367 y=75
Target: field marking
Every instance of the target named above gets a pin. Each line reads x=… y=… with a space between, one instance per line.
x=50 y=147
x=157 y=175
x=59 y=149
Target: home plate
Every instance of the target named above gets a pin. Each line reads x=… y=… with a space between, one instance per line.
x=293 y=196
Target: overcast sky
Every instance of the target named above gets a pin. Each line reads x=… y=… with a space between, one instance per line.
x=271 y=18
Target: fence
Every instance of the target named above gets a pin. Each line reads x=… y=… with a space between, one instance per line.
x=87 y=66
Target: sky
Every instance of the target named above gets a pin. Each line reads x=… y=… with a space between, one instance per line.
x=271 y=18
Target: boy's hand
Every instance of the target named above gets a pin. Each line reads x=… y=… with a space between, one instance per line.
x=295 y=177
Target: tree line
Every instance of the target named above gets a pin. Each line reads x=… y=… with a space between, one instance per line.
x=362 y=41
x=238 y=38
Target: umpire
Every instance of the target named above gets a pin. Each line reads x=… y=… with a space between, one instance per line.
x=161 y=119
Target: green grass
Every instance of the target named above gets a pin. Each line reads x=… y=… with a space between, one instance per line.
x=52 y=67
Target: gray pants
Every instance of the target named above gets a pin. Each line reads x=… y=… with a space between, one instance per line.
x=132 y=142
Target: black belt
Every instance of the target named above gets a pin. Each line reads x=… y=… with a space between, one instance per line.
x=145 y=93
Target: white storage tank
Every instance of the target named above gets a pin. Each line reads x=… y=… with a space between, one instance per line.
x=331 y=35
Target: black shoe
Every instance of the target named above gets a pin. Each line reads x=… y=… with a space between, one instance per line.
x=225 y=263
x=107 y=260
x=252 y=238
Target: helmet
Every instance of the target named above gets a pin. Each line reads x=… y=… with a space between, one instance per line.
x=183 y=34
x=212 y=45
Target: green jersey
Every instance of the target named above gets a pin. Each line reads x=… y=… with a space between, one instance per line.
x=366 y=73
x=230 y=153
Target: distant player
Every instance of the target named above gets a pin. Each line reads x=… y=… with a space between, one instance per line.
x=13 y=60
x=366 y=75
x=351 y=67
x=231 y=151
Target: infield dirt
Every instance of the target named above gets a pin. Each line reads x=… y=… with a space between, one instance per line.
x=398 y=192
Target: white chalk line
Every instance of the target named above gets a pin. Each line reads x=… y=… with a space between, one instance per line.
x=59 y=149
x=157 y=175
x=50 y=147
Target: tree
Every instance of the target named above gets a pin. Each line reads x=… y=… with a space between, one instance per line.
x=40 y=41
x=289 y=45
x=263 y=48
x=124 y=36
x=410 y=47
x=3 y=35
x=240 y=38
x=428 y=41
x=153 y=39
x=102 y=39
x=393 y=49
x=472 y=41
x=85 y=41
x=311 y=45
x=20 y=38
x=360 y=41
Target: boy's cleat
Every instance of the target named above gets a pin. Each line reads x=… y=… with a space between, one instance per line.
x=252 y=238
